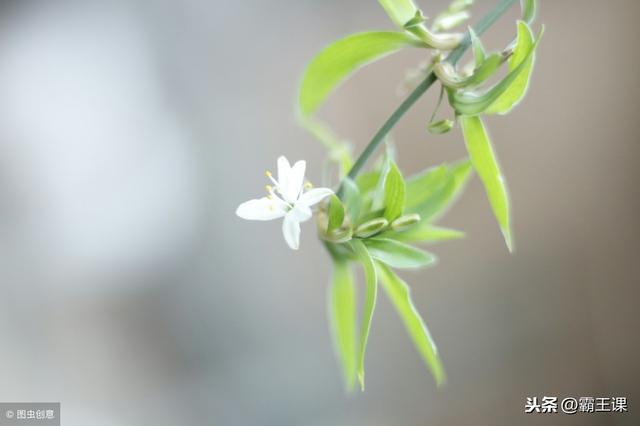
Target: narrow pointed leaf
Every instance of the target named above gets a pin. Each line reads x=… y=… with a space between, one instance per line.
x=371 y=291
x=486 y=165
x=523 y=54
x=420 y=186
x=352 y=199
x=424 y=232
x=397 y=254
x=394 y=190
x=368 y=181
x=432 y=199
x=398 y=292
x=340 y=59
x=342 y=310
x=379 y=191
x=336 y=213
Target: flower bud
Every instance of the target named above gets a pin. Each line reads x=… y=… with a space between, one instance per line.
x=371 y=227
x=340 y=235
x=403 y=222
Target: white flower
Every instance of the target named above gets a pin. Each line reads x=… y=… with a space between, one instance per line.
x=289 y=198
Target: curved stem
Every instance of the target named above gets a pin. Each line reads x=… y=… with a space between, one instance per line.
x=484 y=24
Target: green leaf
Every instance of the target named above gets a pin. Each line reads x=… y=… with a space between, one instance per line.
x=379 y=193
x=352 y=199
x=371 y=291
x=486 y=164
x=432 y=199
x=343 y=57
x=400 y=11
x=424 y=232
x=440 y=127
x=397 y=254
x=343 y=319
x=524 y=53
x=336 y=213
x=368 y=181
x=419 y=187
x=470 y=103
x=399 y=293
x=394 y=189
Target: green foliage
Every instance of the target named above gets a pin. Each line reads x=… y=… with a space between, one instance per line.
x=336 y=213
x=342 y=311
x=523 y=56
x=367 y=181
x=343 y=57
x=352 y=199
x=432 y=192
x=398 y=292
x=371 y=292
x=377 y=216
x=394 y=191
x=486 y=164
x=507 y=92
x=425 y=233
x=397 y=254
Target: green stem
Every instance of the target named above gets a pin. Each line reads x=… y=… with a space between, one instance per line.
x=455 y=55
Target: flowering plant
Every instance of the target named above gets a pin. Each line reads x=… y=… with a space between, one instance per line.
x=375 y=218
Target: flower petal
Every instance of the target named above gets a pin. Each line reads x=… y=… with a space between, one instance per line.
x=314 y=196
x=261 y=209
x=295 y=180
x=291 y=231
x=300 y=212
x=284 y=170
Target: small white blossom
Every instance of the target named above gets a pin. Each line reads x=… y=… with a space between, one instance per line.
x=289 y=198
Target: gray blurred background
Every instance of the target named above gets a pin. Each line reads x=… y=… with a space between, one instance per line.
x=130 y=292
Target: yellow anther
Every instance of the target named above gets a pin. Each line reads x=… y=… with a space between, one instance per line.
x=268 y=174
x=308 y=185
x=269 y=188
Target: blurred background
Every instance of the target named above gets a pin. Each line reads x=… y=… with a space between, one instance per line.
x=130 y=292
